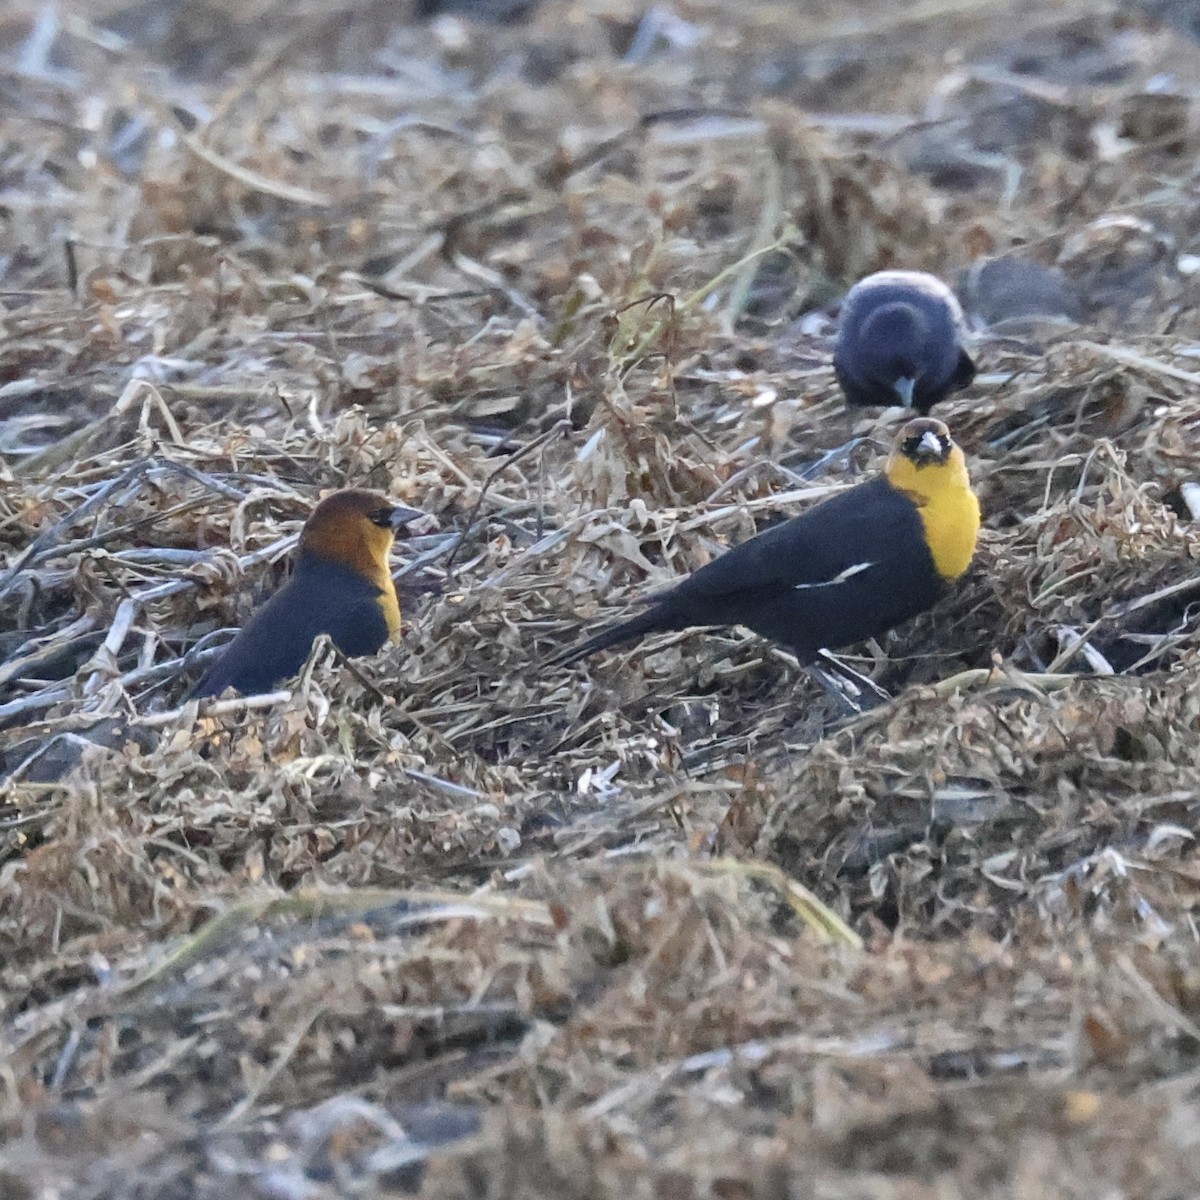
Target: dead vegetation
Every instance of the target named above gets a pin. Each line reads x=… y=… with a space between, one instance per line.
x=444 y=921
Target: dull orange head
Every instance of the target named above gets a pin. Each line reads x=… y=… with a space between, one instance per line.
x=356 y=528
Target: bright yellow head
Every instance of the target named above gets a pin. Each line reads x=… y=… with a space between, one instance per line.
x=930 y=469
x=357 y=528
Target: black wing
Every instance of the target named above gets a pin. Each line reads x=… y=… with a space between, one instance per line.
x=847 y=570
x=860 y=529
x=964 y=372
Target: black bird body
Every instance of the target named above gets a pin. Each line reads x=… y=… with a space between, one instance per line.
x=321 y=597
x=340 y=586
x=851 y=568
x=900 y=342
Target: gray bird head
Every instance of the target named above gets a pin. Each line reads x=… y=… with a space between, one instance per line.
x=900 y=342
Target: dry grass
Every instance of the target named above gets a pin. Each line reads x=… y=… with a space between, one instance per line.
x=658 y=926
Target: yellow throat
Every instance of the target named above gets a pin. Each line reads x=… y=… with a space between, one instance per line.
x=388 y=601
x=948 y=508
x=374 y=566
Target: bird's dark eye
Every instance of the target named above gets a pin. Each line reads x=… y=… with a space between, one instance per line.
x=381 y=517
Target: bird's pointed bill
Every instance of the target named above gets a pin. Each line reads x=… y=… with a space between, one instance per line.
x=903 y=387
x=403 y=515
x=930 y=444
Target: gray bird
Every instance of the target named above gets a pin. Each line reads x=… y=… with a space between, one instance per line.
x=900 y=341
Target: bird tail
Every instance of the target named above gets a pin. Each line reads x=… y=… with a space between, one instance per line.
x=614 y=635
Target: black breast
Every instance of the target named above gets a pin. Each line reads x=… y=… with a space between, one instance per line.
x=321 y=597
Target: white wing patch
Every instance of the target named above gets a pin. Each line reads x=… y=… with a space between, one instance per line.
x=840 y=577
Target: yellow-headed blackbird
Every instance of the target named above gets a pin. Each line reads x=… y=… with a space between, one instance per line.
x=341 y=586
x=899 y=341
x=849 y=569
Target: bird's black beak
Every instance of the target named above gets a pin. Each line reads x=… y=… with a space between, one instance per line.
x=403 y=516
